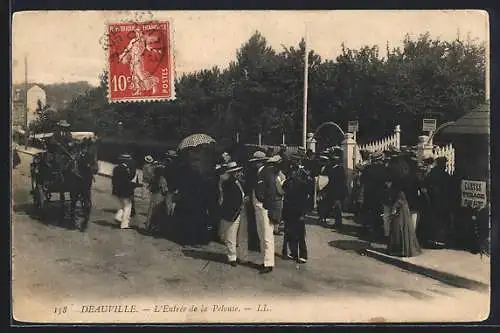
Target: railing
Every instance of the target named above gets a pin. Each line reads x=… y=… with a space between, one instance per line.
x=446 y=151
x=385 y=143
x=289 y=149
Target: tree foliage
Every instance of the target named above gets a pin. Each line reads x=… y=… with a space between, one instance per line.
x=45 y=119
x=261 y=91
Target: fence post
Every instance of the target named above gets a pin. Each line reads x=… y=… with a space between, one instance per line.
x=348 y=146
x=311 y=142
x=424 y=150
x=260 y=139
x=397 y=131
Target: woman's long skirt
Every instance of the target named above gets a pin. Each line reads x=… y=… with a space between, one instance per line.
x=402 y=237
x=156 y=212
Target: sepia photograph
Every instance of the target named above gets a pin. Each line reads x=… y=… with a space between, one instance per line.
x=270 y=166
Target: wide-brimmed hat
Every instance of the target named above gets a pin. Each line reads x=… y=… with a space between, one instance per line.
x=258 y=156
x=171 y=154
x=230 y=167
x=63 y=123
x=324 y=157
x=125 y=157
x=337 y=149
x=297 y=156
x=275 y=159
x=149 y=159
x=377 y=156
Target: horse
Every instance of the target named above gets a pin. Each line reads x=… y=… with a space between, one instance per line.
x=86 y=167
x=77 y=170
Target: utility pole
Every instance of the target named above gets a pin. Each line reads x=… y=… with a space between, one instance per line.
x=487 y=74
x=26 y=101
x=306 y=75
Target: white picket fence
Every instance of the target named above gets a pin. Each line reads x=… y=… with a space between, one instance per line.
x=384 y=143
x=289 y=149
x=393 y=140
x=447 y=151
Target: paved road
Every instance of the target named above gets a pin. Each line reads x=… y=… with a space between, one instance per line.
x=53 y=265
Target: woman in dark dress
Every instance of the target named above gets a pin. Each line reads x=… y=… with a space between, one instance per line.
x=402 y=237
x=157 y=209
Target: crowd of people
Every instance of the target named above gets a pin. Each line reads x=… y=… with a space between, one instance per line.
x=406 y=202
x=267 y=191
x=397 y=200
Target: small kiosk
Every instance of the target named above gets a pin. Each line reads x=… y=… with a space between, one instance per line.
x=470 y=136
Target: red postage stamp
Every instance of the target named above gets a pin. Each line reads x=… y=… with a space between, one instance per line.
x=140 y=62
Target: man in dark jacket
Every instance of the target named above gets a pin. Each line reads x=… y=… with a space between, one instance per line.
x=16 y=160
x=373 y=180
x=438 y=187
x=123 y=189
x=233 y=215
x=334 y=192
x=262 y=201
x=294 y=207
x=250 y=180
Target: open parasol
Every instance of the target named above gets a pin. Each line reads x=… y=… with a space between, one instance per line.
x=195 y=140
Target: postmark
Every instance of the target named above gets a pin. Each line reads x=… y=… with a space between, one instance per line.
x=140 y=61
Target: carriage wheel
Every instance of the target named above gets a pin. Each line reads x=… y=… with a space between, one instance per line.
x=81 y=213
x=39 y=199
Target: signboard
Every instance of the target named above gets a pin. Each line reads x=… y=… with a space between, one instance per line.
x=429 y=125
x=473 y=193
x=353 y=126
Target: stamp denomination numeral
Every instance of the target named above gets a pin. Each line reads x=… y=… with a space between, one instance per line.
x=119 y=84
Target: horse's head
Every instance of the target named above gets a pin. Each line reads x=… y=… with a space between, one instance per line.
x=86 y=159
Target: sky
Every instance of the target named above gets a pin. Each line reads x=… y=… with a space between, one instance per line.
x=64 y=46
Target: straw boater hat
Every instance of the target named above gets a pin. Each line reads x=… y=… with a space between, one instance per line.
x=324 y=157
x=275 y=159
x=230 y=167
x=125 y=157
x=258 y=156
x=63 y=123
x=149 y=159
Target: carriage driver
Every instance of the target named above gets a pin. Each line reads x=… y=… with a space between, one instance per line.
x=60 y=141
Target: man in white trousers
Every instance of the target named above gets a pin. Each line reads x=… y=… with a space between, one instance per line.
x=234 y=223
x=123 y=189
x=265 y=181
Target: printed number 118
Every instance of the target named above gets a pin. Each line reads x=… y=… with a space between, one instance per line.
x=60 y=311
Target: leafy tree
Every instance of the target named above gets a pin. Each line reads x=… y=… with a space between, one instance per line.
x=45 y=120
x=261 y=91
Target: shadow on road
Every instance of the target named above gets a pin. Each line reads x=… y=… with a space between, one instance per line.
x=205 y=255
x=109 y=210
x=52 y=215
x=358 y=246
x=106 y=223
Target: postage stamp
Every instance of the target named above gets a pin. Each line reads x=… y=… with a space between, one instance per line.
x=140 y=61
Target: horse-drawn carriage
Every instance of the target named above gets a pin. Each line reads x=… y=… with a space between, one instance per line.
x=69 y=170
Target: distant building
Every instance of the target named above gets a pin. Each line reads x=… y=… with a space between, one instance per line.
x=18 y=112
x=35 y=94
